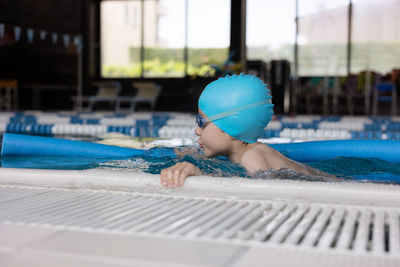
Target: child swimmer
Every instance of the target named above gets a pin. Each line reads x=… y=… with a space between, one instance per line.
x=233 y=112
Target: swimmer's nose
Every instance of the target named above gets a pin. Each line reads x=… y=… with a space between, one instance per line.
x=197 y=131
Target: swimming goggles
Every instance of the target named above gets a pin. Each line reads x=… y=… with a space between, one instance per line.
x=201 y=121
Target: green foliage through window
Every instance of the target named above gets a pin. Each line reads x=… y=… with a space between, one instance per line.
x=169 y=62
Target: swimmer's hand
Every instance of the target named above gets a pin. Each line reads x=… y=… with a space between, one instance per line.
x=176 y=175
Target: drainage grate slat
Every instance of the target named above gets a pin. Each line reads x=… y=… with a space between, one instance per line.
x=270 y=228
x=246 y=222
x=316 y=230
x=169 y=217
x=74 y=211
x=150 y=213
x=346 y=239
x=286 y=228
x=194 y=226
x=255 y=229
x=394 y=233
x=333 y=228
x=219 y=218
x=23 y=205
x=361 y=242
x=301 y=230
x=64 y=209
x=183 y=218
x=191 y=220
x=378 y=234
x=217 y=230
x=40 y=207
x=142 y=205
x=106 y=211
x=8 y=195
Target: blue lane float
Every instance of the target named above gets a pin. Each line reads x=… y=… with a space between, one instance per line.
x=388 y=150
x=28 y=145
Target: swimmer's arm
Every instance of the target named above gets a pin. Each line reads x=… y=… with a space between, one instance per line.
x=176 y=175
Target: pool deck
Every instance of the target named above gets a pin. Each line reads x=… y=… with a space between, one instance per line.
x=122 y=218
x=34 y=246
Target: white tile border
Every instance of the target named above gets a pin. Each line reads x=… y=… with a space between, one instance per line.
x=346 y=193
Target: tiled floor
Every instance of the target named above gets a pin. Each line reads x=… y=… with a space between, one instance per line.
x=33 y=246
x=22 y=246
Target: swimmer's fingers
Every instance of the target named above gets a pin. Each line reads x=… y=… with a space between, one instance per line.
x=182 y=171
x=186 y=171
x=170 y=176
x=176 y=175
x=163 y=177
x=166 y=176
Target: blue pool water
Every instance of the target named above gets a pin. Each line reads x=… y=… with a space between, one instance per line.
x=360 y=169
x=347 y=169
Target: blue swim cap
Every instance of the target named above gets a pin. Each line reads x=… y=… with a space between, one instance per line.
x=240 y=105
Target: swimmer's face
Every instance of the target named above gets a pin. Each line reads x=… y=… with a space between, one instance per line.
x=213 y=140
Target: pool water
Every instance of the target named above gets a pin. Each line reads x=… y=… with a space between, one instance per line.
x=347 y=169
x=361 y=169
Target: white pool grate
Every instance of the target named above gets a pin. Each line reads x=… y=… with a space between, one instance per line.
x=331 y=227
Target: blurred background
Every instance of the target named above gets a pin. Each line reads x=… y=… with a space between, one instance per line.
x=323 y=57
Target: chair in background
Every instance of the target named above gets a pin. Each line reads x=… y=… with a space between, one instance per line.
x=313 y=93
x=385 y=92
x=8 y=95
x=147 y=92
x=107 y=92
x=336 y=93
x=350 y=92
x=356 y=88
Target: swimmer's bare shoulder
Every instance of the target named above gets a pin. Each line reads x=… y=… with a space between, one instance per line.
x=254 y=160
x=299 y=167
x=303 y=168
x=262 y=157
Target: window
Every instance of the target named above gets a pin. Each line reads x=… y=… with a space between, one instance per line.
x=322 y=39
x=208 y=35
x=164 y=38
x=375 y=35
x=120 y=38
x=155 y=45
x=270 y=29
